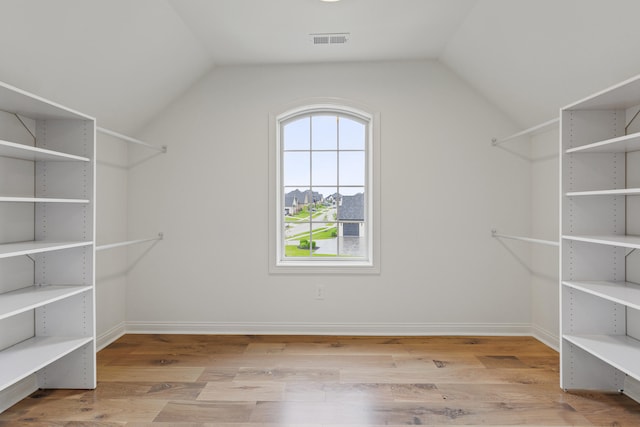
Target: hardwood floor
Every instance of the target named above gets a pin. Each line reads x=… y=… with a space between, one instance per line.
x=304 y=381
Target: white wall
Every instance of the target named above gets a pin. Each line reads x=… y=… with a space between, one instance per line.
x=545 y=214
x=443 y=188
x=111 y=214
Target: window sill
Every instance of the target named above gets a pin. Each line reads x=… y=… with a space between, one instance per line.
x=324 y=267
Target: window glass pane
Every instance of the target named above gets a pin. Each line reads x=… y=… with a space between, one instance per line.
x=297 y=236
x=297 y=203
x=325 y=236
x=351 y=228
x=352 y=241
x=296 y=168
x=352 y=134
x=325 y=168
x=351 y=207
x=296 y=134
x=352 y=168
x=297 y=221
x=325 y=206
x=324 y=177
x=297 y=248
x=296 y=230
x=350 y=191
x=324 y=133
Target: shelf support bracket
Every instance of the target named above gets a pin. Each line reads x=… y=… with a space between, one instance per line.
x=626 y=128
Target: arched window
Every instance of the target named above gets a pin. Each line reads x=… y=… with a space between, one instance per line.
x=324 y=185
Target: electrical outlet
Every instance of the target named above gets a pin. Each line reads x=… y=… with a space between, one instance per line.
x=320 y=292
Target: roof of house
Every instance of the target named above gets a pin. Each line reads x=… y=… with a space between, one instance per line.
x=289 y=199
x=300 y=196
x=352 y=207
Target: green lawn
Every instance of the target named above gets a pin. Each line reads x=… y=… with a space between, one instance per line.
x=294 y=251
x=303 y=215
x=320 y=234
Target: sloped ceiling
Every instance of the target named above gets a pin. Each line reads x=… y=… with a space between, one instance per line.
x=120 y=61
x=123 y=61
x=277 y=31
x=532 y=57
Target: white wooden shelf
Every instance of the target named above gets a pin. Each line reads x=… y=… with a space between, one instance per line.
x=620 y=351
x=625 y=293
x=618 y=192
x=21 y=300
x=27 y=104
x=621 y=144
x=41 y=200
x=620 y=96
x=26 y=152
x=619 y=241
x=26 y=248
x=28 y=357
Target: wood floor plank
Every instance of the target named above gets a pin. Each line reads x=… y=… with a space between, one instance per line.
x=164 y=374
x=222 y=424
x=491 y=414
x=157 y=380
x=62 y=424
x=288 y=375
x=84 y=410
x=266 y=348
x=341 y=348
x=437 y=359
x=460 y=376
x=211 y=374
x=195 y=359
x=502 y=362
x=242 y=391
x=611 y=409
x=206 y=412
x=146 y=390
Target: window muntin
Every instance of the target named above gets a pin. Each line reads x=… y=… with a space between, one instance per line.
x=324 y=188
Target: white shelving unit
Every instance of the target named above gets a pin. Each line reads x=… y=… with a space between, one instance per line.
x=47 y=228
x=599 y=293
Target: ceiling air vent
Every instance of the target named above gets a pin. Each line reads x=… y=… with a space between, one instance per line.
x=329 y=38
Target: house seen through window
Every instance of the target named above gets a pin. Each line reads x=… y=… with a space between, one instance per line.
x=324 y=185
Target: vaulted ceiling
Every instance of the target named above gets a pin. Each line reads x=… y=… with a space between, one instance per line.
x=123 y=61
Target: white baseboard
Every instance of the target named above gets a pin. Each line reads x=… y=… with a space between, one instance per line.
x=546 y=337
x=367 y=329
x=110 y=336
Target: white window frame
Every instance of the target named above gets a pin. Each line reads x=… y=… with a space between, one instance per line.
x=278 y=263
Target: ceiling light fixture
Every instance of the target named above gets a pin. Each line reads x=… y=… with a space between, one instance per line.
x=329 y=1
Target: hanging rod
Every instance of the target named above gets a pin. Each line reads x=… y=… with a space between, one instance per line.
x=494 y=233
x=496 y=141
x=130 y=242
x=162 y=149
